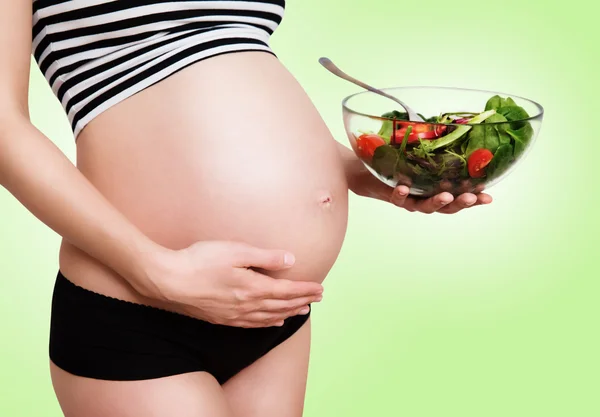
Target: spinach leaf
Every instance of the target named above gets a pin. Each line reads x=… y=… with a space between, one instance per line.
x=513 y=113
x=496 y=118
x=487 y=135
x=395 y=114
x=497 y=102
x=500 y=162
x=385 y=160
x=521 y=136
x=463 y=147
x=482 y=137
x=500 y=126
x=387 y=128
x=493 y=103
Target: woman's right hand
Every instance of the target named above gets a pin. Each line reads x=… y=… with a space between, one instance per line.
x=213 y=281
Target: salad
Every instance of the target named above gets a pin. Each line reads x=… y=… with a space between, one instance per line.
x=450 y=147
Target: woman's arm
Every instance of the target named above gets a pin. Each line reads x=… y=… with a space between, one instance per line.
x=43 y=179
x=210 y=280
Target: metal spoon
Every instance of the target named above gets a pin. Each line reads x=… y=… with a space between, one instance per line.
x=331 y=67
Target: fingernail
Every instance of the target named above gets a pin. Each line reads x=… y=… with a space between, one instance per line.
x=289 y=259
x=445 y=201
x=279 y=324
x=402 y=193
x=470 y=202
x=319 y=298
x=305 y=310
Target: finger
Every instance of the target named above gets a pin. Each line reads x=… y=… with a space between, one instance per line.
x=283 y=289
x=461 y=202
x=433 y=204
x=264 y=318
x=466 y=201
x=400 y=195
x=248 y=324
x=281 y=306
x=483 y=198
x=272 y=260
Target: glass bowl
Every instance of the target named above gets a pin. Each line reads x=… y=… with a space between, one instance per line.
x=470 y=140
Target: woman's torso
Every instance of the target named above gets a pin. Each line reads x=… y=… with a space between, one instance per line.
x=228 y=148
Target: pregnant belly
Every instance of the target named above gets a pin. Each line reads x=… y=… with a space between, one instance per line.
x=230 y=148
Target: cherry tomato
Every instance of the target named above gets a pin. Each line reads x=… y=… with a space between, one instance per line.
x=477 y=162
x=367 y=144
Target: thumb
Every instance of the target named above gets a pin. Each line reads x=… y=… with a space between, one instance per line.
x=269 y=259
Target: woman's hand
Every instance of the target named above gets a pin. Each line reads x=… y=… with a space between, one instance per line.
x=214 y=281
x=363 y=183
x=441 y=203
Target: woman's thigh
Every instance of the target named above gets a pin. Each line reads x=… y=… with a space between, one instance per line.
x=195 y=394
x=275 y=385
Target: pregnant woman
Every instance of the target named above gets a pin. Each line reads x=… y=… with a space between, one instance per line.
x=200 y=219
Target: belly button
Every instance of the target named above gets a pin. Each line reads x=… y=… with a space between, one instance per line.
x=325 y=200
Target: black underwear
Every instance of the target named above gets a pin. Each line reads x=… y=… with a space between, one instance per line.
x=100 y=337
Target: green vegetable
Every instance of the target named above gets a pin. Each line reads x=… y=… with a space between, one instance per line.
x=405 y=139
x=521 y=136
x=463 y=147
x=509 y=109
x=502 y=129
x=451 y=165
x=387 y=128
x=497 y=102
x=423 y=173
x=385 y=160
x=500 y=126
x=500 y=162
x=488 y=136
x=482 y=137
x=496 y=118
x=482 y=117
x=513 y=113
x=455 y=134
x=445 y=140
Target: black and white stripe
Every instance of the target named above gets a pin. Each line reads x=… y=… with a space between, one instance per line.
x=96 y=53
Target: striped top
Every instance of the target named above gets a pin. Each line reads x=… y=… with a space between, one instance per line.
x=96 y=53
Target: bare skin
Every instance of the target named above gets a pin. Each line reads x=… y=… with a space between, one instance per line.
x=195 y=394
x=143 y=218
x=275 y=384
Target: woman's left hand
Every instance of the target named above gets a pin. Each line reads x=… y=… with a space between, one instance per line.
x=444 y=202
x=363 y=183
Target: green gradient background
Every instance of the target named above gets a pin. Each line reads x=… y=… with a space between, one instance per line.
x=491 y=312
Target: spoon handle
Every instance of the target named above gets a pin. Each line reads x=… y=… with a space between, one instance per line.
x=327 y=63
x=331 y=67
